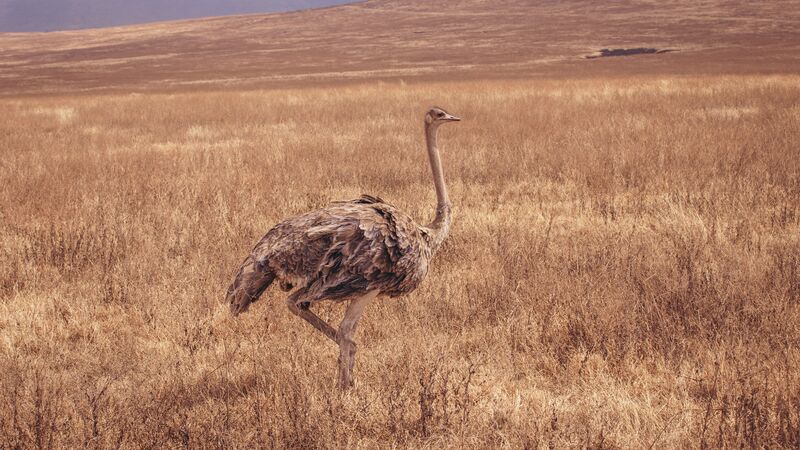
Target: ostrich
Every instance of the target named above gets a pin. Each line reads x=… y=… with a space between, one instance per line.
x=350 y=250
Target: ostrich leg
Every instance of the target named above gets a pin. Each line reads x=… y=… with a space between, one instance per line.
x=347 y=347
x=294 y=301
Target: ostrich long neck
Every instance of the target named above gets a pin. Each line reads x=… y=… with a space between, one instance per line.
x=441 y=224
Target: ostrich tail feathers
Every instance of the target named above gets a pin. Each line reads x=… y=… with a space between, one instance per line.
x=252 y=279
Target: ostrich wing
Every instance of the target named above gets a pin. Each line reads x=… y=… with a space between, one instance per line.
x=346 y=249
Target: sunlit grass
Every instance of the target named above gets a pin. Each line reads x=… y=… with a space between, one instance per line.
x=623 y=268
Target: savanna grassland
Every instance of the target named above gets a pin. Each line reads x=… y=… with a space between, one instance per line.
x=623 y=269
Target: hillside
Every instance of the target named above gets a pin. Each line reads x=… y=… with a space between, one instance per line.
x=409 y=39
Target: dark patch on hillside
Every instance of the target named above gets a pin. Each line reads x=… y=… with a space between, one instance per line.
x=607 y=52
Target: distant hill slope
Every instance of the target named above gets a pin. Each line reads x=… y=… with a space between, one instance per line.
x=407 y=39
x=49 y=15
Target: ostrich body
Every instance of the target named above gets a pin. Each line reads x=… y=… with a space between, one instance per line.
x=351 y=250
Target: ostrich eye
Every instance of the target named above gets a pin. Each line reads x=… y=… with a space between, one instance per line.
x=439 y=114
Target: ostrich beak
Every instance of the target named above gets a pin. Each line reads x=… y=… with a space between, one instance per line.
x=451 y=118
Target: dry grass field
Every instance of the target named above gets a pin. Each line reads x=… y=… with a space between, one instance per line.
x=623 y=271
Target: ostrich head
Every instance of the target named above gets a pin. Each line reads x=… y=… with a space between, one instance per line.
x=437 y=116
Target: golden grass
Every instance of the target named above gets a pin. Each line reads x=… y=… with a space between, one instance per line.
x=623 y=269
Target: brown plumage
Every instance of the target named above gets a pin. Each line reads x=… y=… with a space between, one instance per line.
x=354 y=249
